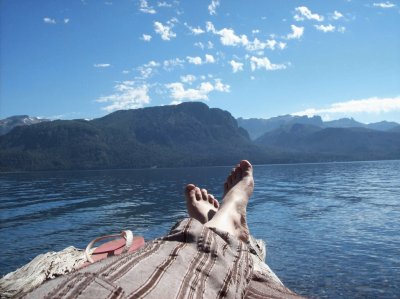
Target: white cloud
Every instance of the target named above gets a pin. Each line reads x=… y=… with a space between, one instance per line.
x=66 y=20
x=171 y=64
x=179 y=93
x=101 y=65
x=297 y=32
x=48 y=20
x=210 y=58
x=165 y=31
x=257 y=45
x=188 y=79
x=126 y=96
x=264 y=63
x=229 y=38
x=341 y=29
x=327 y=28
x=386 y=4
x=200 y=45
x=219 y=86
x=164 y=4
x=195 y=31
x=146 y=37
x=212 y=8
x=144 y=7
x=282 y=45
x=194 y=60
x=210 y=27
x=337 y=15
x=152 y=63
x=147 y=69
x=236 y=66
x=303 y=13
x=255 y=31
x=371 y=105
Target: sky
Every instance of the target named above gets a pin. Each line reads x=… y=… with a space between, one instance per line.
x=73 y=59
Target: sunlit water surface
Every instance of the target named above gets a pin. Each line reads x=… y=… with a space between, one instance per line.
x=332 y=230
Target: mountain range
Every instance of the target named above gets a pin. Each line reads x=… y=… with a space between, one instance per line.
x=258 y=126
x=189 y=134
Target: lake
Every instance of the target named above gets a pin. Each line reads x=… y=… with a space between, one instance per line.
x=332 y=229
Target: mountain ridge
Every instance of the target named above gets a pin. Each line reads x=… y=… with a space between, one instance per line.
x=258 y=126
x=188 y=134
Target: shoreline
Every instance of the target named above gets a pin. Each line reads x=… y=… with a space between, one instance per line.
x=190 y=167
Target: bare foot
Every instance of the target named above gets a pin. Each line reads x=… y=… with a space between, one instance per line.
x=200 y=205
x=238 y=188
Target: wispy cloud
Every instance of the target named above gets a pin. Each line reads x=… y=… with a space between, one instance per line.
x=200 y=45
x=337 y=15
x=228 y=37
x=164 y=4
x=325 y=29
x=66 y=20
x=194 y=60
x=197 y=60
x=257 y=45
x=195 y=30
x=386 y=4
x=48 y=20
x=304 y=13
x=127 y=96
x=297 y=32
x=144 y=7
x=264 y=63
x=370 y=105
x=147 y=70
x=146 y=37
x=171 y=64
x=212 y=8
x=165 y=31
x=188 y=79
x=101 y=65
x=236 y=66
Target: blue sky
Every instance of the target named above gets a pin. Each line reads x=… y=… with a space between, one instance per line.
x=259 y=58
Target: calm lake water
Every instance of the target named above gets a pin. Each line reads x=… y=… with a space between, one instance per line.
x=332 y=230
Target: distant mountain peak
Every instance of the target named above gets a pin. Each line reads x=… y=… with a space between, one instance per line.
x=258 y=126
x=9 y=123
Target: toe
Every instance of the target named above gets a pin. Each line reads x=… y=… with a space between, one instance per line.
x=188 y=190
x=198 y=193
x=213 y=201
x=216 y=203
x=189 y=187
x=204 y=194
x=210 y=198
x=230 y=180
x=238 y=174
x=245 y=165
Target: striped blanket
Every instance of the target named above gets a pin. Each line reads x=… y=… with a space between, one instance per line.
x=192 y=261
